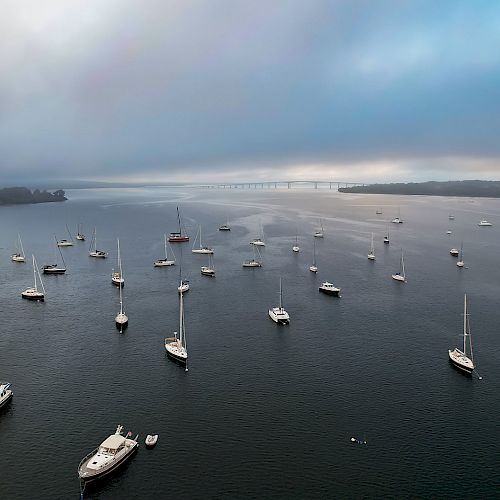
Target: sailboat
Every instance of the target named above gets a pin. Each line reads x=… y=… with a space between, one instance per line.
x=177 y=236
x=176 y=346
x=210 y=269
x=34 y=293
x=398 y=220
x=460 y=262
x=55 y=268
x=296 y=247
x=459 y=358
x=314 y=267
x=166 y=261
x=319 y=233
x=19 y=255
x=371 y=255
x=201 y=249
x=378 y=211
x=400 y=276
x=93 y=252
x=386 y=237
x=65 y=243
x=225 y=227
x=260 y=240
x=121 y=319
x=79 y=235
x=278 y=314
x=116 y=276
x=257 y=258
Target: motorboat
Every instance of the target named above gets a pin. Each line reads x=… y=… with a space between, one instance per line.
x=460 y=359
x=329 y=289
x=484 y=223
x=112 y=453
x=151 y=440
x=5 y=393
x=278 y=314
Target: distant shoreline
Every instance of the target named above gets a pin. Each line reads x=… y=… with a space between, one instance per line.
x=469 y=188
x=24 y=196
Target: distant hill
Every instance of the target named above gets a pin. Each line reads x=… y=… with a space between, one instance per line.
x=22 y=195
x=489 y=189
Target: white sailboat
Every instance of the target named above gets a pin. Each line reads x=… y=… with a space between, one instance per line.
x=79 y=235
x=210 y=269
x=93 y=252
x=314 y=267
x=5 y=393
x=398 y=220
x=296 y=247
x=176 y=346
x=400 y=276
x=225 y=227
x=121 y=319
x=257 y=258
x=460 y=262
x=260 y=240
x=278 y=314
x=55 y=268
x=33 y=293
x=178 y=236
x=461 y=359
x=64 y=242
x=19 y=255
x=116 y=276
x=371 y=255
x=484 y=223
x=166 y=261
x=202 y=249
x=319 y=233
x=386 y=237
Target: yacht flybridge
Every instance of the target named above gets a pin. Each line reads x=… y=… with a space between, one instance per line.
x=5 y=393
x=461 y=359
x=112 y=452
x=202 y=249
x=19 y=255
x=278 y=314
x=176 y=346
x=93 y=252
x=166 y=261
x=33 y=293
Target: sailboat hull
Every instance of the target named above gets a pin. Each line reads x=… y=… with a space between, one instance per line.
x=461 y=362
x=176 y=238
x=32 y=295
x=54 y=270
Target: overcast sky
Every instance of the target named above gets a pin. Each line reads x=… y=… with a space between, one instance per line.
x=159 y=90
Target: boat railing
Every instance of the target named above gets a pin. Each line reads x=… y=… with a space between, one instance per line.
x=87 y=457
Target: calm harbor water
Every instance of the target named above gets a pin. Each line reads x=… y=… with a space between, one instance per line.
x=265 y=411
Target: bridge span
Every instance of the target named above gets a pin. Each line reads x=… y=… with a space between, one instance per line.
x=281 y=184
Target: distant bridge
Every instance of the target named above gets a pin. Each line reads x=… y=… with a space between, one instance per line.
x=281 y=184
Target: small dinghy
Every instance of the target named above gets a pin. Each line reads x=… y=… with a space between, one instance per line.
x=151 y=440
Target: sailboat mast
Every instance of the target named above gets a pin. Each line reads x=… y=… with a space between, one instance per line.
x=60 y=253
x=314 y=252
x=121 y=275
x=181 y=318
x=34 y=272
x=281 y=297
x=165 y=239
x=20 y=244
x=465 y=321
x=402 y=265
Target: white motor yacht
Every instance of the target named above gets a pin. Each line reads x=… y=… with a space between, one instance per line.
x=5 y=393
x=329 y=289
x=112 y=452
x=484 y=223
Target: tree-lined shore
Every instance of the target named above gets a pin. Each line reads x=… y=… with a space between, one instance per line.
x=22 y=195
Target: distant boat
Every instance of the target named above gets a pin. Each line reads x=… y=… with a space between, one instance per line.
x=257 y=258
x=116 y=276
x=177 y=236
x=225 y=227
x=64 y=242
x=5 y=393
x=121 y=319
x=260 y=240
x=151 y=440
x=460 y=262
x=401 y=275
x=448 y=232
x=33 y=293
x=329 y=289
x=379 y=211
x=459 y=358
x=484 y=223
x=386 y=237
x=183 y=286
x=176 y=346
x=314 y=267
x=79 y=235
x=451 y=217
x=278 y=314
x=371 y=254
x=397 y=220
x=202 y=249
x=454 y=252
x=93 y=252
x=210 y=269
x=166 y=261
x=319 y=233
x=296 y=247
x=55 y=268
x=19 y=255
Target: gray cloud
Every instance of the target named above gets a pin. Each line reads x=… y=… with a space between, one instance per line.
x=100 y=89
